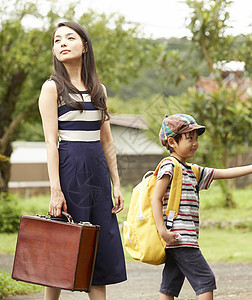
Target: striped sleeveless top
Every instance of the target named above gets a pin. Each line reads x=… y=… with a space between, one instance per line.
x=74 y=125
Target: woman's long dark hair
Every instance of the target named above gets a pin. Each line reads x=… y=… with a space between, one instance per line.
x=88 y=75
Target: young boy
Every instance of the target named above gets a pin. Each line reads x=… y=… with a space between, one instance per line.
x=179 y=134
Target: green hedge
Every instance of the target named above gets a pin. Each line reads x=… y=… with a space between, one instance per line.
x=10 y=213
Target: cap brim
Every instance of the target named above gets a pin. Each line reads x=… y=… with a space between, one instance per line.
x=200 y=129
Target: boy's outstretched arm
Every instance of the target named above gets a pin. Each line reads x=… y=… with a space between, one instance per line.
x=232 y=172
x=157 y=208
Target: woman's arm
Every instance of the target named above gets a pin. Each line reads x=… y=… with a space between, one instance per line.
x=110 y=155
x=49 y=113
x=157 y=208
x=232 y=172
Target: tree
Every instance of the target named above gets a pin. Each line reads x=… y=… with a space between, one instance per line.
x=22 y=71
x=228 y=118
x=26 y=62
x=120 y=53
x=243 y=51
x=208 y=24
x=228 y=121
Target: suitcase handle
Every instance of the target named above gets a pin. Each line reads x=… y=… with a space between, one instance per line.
x=48 y=216
x=68 y=216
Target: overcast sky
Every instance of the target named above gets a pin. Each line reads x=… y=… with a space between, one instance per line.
x=158 y=18
x=166 y=18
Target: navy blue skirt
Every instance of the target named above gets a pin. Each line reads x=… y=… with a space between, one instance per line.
x=85 y=182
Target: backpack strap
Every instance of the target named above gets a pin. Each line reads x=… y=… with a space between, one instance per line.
x=159 y=165
x=175 y=192
x=195 y=170
x=176 y=187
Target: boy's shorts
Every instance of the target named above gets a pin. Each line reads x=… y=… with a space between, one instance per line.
x=190 y=263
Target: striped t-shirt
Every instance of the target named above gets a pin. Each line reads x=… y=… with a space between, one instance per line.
x=187 y=221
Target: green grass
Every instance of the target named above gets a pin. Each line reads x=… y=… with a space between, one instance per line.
x=10 y=287
x=8 y=243
x=212 y=207
x=212 y=204
x=126 y=191
x=231 y=244
x=217 y=244
x=32 y=206
x=222 y=245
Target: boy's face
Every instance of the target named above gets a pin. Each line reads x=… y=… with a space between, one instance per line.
x=187 y=146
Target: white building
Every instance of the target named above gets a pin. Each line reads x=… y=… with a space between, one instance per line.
x=136 y=154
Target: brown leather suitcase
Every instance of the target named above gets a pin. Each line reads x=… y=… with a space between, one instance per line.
x=55 y=254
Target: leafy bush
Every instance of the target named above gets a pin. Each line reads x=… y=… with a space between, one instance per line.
x=9 y=213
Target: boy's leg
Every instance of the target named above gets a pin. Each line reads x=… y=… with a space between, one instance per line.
x=172 y=279
x=195 y=268
x=206 y=296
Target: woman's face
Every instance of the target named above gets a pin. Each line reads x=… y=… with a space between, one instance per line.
x=67 y=45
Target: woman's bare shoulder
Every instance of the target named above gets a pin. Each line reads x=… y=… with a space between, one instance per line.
x=48 y=94
x=49 y=86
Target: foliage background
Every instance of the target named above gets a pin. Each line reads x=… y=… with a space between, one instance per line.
x=152 y=77
x=143 y=76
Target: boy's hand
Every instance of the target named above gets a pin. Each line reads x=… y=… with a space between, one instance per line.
x=170 y=237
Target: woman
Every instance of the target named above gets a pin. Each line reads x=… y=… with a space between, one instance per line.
x=73 y=107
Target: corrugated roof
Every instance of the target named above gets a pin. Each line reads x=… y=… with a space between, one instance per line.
x=132 y=121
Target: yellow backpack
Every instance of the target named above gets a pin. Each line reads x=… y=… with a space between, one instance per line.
x=141 y=237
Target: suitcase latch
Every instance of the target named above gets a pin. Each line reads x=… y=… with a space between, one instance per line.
x=84 y=223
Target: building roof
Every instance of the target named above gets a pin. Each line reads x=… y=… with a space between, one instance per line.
x=241 y=85
x=132 y=121
x=232 y=77
x=129 y=138
x=207 y=84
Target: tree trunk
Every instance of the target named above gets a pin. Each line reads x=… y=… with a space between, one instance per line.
x=5 y=169
x=5 y=153
x=8 y=125
x=206 y=56
x=226 y=186
x=228 y=194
